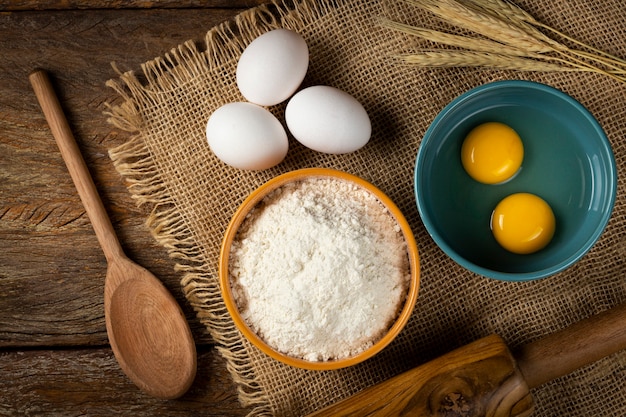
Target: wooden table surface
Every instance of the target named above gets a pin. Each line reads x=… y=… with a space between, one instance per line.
x=54 y=353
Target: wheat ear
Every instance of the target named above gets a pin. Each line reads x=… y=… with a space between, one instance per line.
x=482 y=23
x=448 y=59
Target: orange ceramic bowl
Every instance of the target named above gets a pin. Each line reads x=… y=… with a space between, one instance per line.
x=238 y=218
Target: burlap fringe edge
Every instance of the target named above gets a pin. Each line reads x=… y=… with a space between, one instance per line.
x=133 y=160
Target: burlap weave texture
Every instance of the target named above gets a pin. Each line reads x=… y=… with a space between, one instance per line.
x=169 y=166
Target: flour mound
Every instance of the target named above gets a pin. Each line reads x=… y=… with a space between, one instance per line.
x=319 y=269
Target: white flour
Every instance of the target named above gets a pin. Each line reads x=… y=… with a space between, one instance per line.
x=320 y=269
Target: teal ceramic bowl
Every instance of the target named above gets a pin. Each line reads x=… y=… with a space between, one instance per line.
x=567 y=161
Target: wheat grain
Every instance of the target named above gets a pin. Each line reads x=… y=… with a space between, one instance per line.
x=482 y=23
x=510 y=38
x=505 y=10
x=513 y=13
x=448 y=58
x=457 y=41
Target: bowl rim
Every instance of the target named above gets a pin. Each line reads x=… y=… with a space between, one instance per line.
x=251 y=201
x=514 y=276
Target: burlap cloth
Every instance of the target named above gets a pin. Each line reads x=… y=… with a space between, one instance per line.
x=169 y=166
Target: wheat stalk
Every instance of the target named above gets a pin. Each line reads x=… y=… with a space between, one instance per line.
x=509 y=38
x=596 y=54
x=482 y=23
x=506 y=10
x=457 y=41
x=503 y=10
x=448 y=58
x=472 y=44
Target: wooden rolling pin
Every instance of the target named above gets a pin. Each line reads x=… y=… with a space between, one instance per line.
x=484 y=378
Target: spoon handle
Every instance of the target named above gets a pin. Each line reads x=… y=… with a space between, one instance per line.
x=75 y=164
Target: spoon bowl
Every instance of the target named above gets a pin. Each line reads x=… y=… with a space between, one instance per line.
x=149 y=335
x=138 y=312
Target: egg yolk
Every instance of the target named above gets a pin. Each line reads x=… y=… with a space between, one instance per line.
x=523 y=223
x=492 y=153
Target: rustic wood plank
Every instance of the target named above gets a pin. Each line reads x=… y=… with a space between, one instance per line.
x=51 y=268
x=20 y=5
x=88 y=382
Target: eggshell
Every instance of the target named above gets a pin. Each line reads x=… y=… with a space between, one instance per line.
x=246 y=136
x=328 y=120
x=272 y=67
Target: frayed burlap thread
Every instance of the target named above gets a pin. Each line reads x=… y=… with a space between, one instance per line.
x=169 y=167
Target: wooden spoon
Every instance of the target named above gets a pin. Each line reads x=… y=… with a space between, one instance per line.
x=147 y=329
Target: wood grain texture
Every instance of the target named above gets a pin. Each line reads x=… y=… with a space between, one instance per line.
x=88 y=382
x=76 y=166
x=46 y=241
x=574 y=347
x=15 y=5
x=480 y=379
x=54 y=353
x=146 y=329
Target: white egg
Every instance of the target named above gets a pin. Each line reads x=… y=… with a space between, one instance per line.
x=272 y=67
x=328 y=120
x=246 y=136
